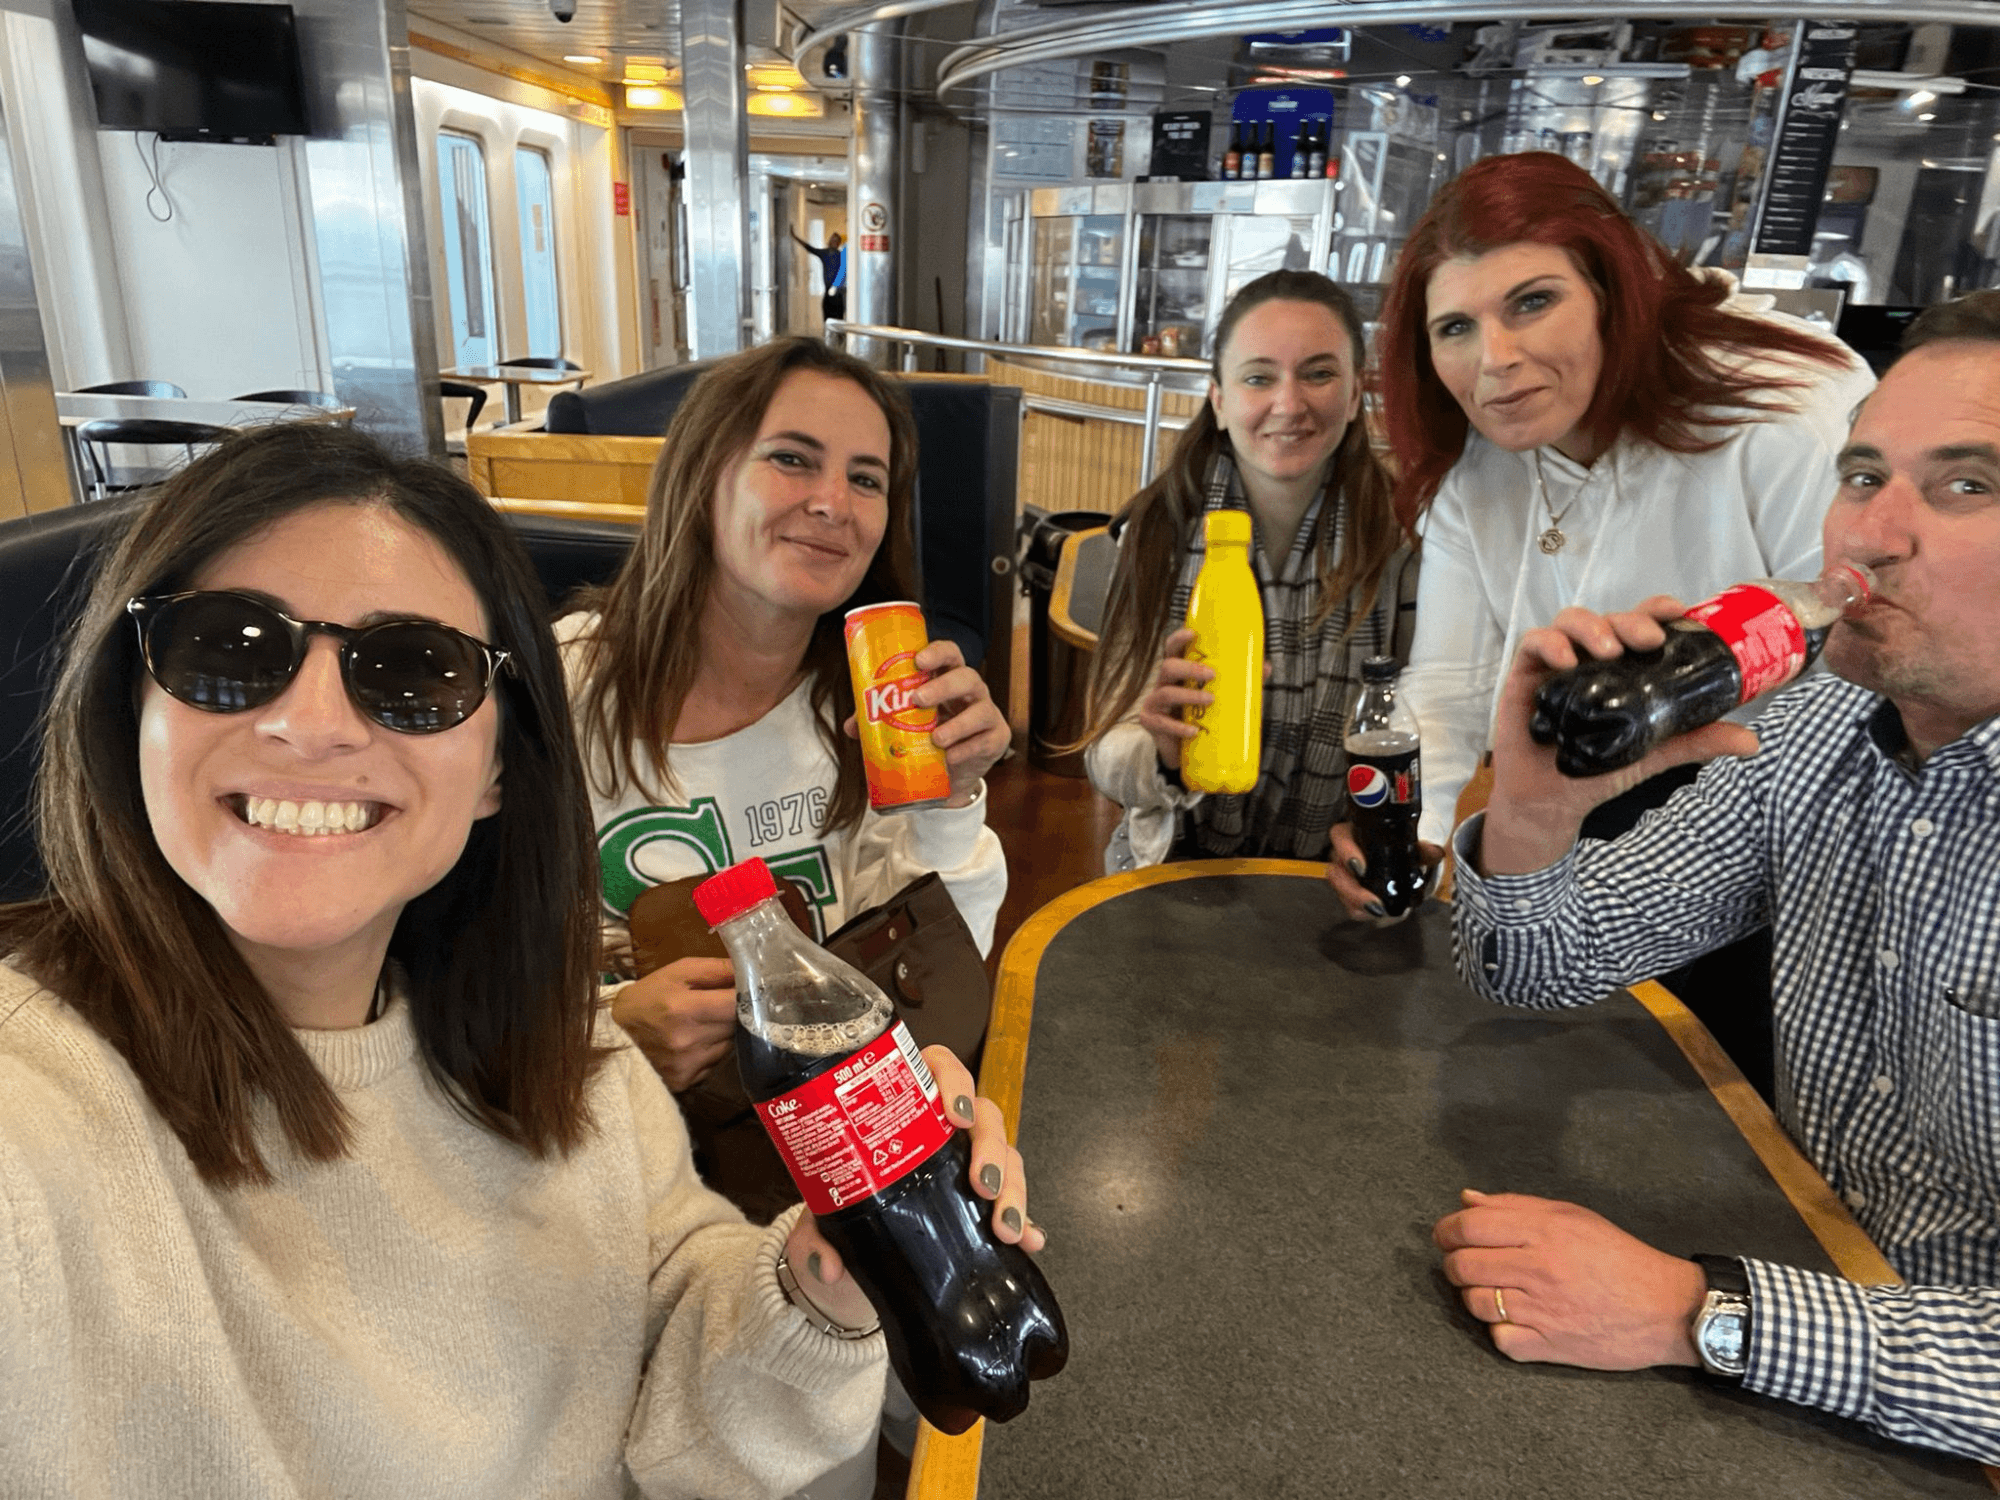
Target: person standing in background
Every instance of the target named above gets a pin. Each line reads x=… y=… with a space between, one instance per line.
x=833 y=273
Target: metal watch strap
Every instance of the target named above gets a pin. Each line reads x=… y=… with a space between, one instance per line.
x=1728 y=1301
x=788 y=1283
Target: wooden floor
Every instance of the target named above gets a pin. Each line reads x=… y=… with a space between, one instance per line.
x=1053 y=828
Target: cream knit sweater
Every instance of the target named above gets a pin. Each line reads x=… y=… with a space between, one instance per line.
x=438 y=1314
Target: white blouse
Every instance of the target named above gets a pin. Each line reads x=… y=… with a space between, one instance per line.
x=1638 y=522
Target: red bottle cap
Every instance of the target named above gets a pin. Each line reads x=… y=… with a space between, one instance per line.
x=734 y=891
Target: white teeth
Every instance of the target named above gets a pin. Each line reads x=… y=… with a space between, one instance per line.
x=307 y=819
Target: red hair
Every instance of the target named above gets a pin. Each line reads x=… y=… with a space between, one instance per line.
x=1661 y=324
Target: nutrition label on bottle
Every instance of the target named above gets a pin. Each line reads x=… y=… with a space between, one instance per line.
x=1762 y=633
x=859 y=1126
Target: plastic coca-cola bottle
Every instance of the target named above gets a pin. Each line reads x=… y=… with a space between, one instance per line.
x=1385 y=789
x=850 y=1104
x=1601 y=715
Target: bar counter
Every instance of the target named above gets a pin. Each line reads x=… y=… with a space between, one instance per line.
x=1246 y=1112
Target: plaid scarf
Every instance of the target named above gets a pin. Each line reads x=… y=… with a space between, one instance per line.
x=1301 y=789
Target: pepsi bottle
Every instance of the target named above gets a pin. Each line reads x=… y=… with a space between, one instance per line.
x=855 y=1114
x=1385 y=789
x=1604 y=715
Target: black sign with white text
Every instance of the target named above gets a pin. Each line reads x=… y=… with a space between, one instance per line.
x=1180 y=144
x=1802 y=143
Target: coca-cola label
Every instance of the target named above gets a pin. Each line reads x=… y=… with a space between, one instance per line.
x=890 y=698
x=1762 y=633
x=851 y=1131
x=1371 y=786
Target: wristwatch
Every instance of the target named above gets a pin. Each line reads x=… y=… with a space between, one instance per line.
x=1722 y=1327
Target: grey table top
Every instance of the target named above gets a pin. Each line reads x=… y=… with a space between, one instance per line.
x=515 y=375
x=1242 y=1116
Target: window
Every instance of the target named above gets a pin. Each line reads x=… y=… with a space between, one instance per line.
x=468 y=249
x=535 y=190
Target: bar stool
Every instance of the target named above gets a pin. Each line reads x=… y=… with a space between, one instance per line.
x=138 y=431
x=463 y=390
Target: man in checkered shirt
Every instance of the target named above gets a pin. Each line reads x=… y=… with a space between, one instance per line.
x=1862 y=820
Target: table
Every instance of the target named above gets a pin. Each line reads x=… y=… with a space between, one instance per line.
x=74 y=408
x=513 y=377
x=1246 y=1114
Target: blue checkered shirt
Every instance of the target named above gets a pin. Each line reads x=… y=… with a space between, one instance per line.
x=1882 y=885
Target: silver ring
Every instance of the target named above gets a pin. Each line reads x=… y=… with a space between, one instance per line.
x=1500 y=1305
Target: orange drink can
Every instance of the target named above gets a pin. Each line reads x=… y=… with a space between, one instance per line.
x=905 y=770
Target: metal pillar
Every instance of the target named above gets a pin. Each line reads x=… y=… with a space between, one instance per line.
x=368 y=219
x=717 y=159
x=876 y=56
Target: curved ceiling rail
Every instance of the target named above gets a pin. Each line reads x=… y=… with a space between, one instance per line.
x=828 y=24
x=1151 y=25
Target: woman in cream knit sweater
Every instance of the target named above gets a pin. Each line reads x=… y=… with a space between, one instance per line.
x=318 y=1173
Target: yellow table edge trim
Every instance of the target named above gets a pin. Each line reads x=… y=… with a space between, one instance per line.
x=947 y=1468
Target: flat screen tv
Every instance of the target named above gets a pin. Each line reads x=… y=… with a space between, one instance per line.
x=196 y=70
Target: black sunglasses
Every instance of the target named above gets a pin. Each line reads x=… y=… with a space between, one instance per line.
x=224 y=653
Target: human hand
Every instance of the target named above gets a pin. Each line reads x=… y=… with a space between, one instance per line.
x=682 y=1016
x=1562 y=1285
x=997 y=1175
x=1176 y=686
x=1535 y=812
x=1349 y=865
x=971 y=730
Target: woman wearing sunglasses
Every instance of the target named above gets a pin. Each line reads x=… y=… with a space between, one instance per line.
x=315 y=1169
x=712 y=687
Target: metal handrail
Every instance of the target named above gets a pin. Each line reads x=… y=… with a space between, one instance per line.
x=1156 y=367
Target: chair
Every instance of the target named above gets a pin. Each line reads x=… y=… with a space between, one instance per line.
x=465 y=391
x=541 y=362
x=143 y=431
x=156 y=388
x=323 y=399
x=46 y=561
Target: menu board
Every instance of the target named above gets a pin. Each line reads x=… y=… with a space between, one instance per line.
x=1802 y=145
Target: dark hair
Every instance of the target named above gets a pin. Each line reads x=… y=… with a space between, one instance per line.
x=499 y=955
x=1660 y=323
x=1160 y=521
x=1974 y=317
x=641 y=661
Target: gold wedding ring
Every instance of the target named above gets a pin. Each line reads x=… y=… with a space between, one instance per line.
x=1500 y=1305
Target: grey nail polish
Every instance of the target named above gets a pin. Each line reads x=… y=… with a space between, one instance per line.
x=962 y=1107
x=1011 y=1217
x=813 y=1265
x=1355 y=866
x=1376 y=909
x=989 y=1178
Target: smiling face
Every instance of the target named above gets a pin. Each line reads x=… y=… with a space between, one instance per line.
x=233 y=799
x=1288 y=387
x=1919 y=502
x=1514 y=338
x=798 y=517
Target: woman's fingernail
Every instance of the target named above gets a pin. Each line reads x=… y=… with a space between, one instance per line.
x=1011 y=1217
x=1376 y=909
x=962 y=1107
x=813 y=1265
x=1355 y=866
x=989 y=1177
x=1045 y=1234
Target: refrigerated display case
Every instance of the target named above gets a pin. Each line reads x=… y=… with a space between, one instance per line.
x=1170 y=289
x=1077 y=240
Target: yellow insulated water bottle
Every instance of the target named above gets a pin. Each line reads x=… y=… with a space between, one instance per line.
x=1226 y=614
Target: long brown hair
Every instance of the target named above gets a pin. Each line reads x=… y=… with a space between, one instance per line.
x=1660 y=323
x=643 y=656
x=499 y=956
x=1160 y=521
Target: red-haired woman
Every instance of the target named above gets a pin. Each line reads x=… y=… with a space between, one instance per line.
x=1580 y=420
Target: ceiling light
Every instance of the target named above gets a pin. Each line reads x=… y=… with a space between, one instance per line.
x=796 y=106
x=651 y=96
x=581 y=57
x=641 y=72
x=1659 y=114
x=1926 y=117
x=1918 y=99
x=1592 y=80
x=1402 y=80
x=774 y=75
x=641 y=57
x=774 y=88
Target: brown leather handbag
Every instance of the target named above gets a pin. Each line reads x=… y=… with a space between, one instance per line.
x=916 y=946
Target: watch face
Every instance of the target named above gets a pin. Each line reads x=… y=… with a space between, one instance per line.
x=1722 y=1339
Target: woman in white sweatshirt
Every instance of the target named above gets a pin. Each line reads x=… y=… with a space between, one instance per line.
x=318 y=1173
